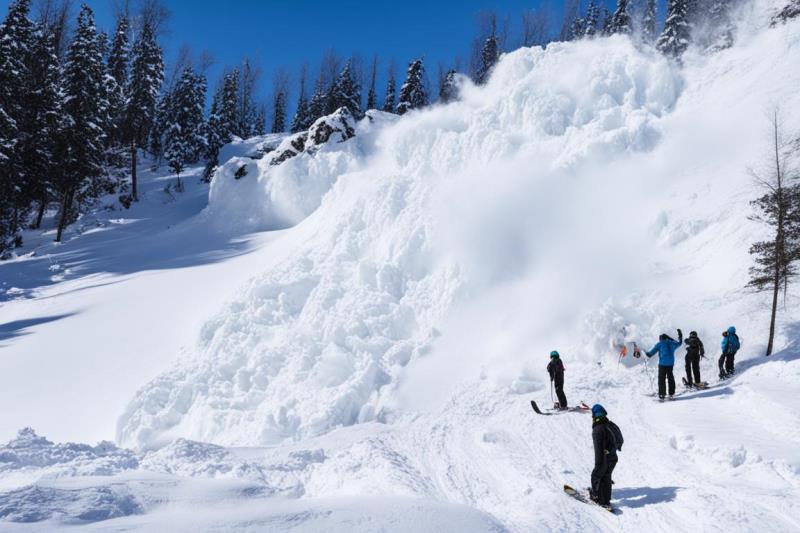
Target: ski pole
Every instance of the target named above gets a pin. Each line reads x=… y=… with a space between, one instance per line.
x=551 y=393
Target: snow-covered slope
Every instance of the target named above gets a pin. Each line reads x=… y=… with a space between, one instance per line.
x=374 y=371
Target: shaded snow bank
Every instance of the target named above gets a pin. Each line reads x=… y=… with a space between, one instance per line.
x=322 y=339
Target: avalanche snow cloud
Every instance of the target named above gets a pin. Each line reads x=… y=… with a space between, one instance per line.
x=403 y=241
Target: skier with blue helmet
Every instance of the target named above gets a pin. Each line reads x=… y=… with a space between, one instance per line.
x=607 y=439
x=556 y=370
x=730 y=345
x=665 y=348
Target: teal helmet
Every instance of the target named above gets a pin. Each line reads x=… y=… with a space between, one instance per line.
x=598 y=410
x=554 y=353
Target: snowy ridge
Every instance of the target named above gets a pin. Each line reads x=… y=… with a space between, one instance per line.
x=318 y=341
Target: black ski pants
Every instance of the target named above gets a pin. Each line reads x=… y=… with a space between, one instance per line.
x=601 y=479
x=693 y=367
x=665 y=375
x=558 y=383
x=726 y=362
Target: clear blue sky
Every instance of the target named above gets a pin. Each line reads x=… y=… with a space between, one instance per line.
x=285 y=33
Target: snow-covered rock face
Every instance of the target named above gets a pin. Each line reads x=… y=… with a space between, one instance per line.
x=287 y=184
x=322 y=339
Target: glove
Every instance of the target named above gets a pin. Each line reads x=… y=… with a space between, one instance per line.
x=680 y=333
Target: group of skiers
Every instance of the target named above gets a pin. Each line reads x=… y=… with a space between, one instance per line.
x=606 y=436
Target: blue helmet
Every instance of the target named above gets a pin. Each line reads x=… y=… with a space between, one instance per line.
x=554 y=354
x=598 y=410
x=731 y=330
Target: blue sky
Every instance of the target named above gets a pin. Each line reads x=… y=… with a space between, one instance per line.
x=284 y=33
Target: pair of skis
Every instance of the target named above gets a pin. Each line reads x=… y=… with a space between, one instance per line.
x=582 y=408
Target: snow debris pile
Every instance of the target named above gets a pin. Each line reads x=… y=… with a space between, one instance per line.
x=321 y=340
x=29 y=451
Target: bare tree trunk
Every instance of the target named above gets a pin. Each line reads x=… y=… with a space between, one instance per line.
x=134 y=189
x=40 y=213
x=66 y=205
x=775 y=291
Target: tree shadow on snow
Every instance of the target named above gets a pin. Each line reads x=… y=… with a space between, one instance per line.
x=119 y=251
x=641 y=496
x=17 y=328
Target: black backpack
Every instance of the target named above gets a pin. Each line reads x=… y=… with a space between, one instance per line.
x=616 y=435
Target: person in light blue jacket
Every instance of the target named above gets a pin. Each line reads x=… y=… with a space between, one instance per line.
x=665 y=347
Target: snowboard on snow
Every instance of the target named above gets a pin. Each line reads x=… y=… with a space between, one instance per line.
x=582 y=408
x=583 y=497
x=699 y=386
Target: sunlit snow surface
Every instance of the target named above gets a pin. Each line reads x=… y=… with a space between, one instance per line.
x=372 y=368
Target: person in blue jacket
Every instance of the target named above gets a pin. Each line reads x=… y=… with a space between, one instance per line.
x=730 y=345
x=665 y=347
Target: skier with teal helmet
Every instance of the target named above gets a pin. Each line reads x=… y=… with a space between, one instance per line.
x=730 y=345
x=607 y=440
x=556 y=370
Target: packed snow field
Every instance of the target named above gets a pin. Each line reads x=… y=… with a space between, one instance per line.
x=347 y=338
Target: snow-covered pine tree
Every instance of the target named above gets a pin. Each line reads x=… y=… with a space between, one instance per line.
x=144 y=85
x=184 y=139
x=176 y=151
x=790 y=11
x=372 y=95
x=16 y=35
x=649 y=20
x=230 y=106
x=318 y=106
x=196 y=124
x=674 y=40
x=8 y=141
x=248 y=108
x=86 y=110
x=605 y=21
x=413 y=94
x=346 y=92
x=389 y=99
x=118 y=64
x=159 y=127
x=490 y=54
x=279 y=112
x=260 y=120
x=301 y=122
x=215 y=134
x=621 y=20
x=448 y=92
x=578 y=28
x=43 y=115
x=592 y=27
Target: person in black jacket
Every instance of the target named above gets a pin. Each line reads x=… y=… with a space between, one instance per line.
x=556 y=370
x=607 y=440
x=694 y=351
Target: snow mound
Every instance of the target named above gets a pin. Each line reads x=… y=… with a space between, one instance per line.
x=321 y=340
x=28 y=451
x=36 y=503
